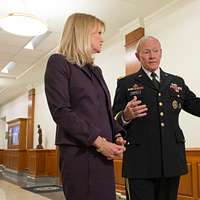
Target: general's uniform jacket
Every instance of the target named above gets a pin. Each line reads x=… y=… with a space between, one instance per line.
x=155 y=143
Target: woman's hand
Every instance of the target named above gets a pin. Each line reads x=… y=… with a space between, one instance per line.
x=108 y=149
x=119 y=139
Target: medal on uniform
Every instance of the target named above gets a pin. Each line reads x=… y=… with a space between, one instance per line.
x=174 y=104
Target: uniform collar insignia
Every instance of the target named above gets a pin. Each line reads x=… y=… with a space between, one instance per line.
x=166 y=74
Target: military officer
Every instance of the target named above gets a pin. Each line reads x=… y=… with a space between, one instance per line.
x=147 y=104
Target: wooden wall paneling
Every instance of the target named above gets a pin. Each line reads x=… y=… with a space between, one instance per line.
x=42 y=162
x=5 y=157
x=198 y=179
x=186 y=184
x=30 y=125
x=1 y=156
x=36 y=162
x=51 y=163
x=15 y=159
x=193 y=156
x=22 y=160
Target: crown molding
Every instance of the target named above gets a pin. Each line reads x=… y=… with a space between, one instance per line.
x=164 y=11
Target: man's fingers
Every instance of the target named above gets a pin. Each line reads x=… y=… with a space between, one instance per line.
x=135 y=103
x=141 y=110
x=142 y=115
x=139 y=107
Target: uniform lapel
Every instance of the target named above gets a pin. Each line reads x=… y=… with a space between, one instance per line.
x=144 y=79
x=164 y=80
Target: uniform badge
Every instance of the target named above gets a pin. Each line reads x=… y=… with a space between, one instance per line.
x=135 y=89
x=175 y=104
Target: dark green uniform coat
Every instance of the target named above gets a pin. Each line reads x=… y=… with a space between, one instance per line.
x=155 y=143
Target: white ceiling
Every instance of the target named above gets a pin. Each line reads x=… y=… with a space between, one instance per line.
x=30 y=64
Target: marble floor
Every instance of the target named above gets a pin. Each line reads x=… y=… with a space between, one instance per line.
x=9 y=191
x=11 y=187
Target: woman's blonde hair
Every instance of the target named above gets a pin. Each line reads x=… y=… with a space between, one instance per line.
x=75 y=42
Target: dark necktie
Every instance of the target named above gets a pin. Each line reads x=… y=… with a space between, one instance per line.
x=154 y=80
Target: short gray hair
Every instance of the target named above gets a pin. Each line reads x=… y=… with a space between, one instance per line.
x=144 y=39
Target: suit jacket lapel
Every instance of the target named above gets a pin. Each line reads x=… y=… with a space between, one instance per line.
x=86 y=71
x=99 y=76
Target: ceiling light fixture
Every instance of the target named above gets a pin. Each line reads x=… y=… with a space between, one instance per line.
x=23 y=24
x=6 y=76
x=8 y=67
x=35 y=41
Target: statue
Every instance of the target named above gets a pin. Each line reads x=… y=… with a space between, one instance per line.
x=39 y=146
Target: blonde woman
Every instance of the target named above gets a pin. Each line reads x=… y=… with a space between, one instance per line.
x=79 y=102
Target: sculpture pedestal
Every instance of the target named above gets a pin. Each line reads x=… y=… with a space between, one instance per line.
x=39 y=146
